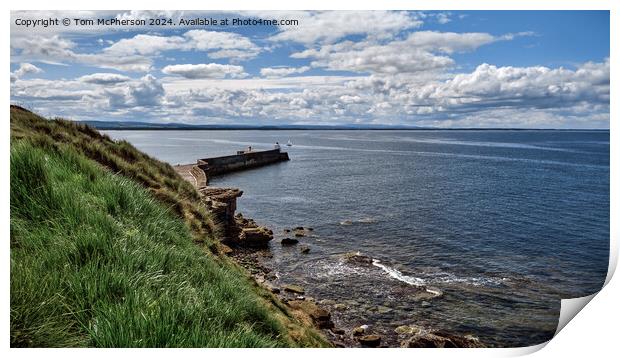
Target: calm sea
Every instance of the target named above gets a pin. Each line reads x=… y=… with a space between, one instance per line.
x=503 y=223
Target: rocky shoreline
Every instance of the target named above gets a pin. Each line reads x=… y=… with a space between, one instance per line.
x=326 y=314
x=248 y=244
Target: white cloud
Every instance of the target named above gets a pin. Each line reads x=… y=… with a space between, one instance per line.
x=145 y=45
x=443 y=18
x=211 y=70
x=57 y=50
x=421 y=51
x=104 y=78
x=24 y=69
x=218 y=44
x=133 y=54
x=330 y=26
x=275 y=72
x=145 y=92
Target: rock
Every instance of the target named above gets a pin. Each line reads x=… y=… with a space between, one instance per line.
x=299 y=234
x=294 y=289
x=309 y=229
x=357 y=259
x=383 y=309
x=304 y=249
x=224 y=249
x=255 y=237
x=287 y=230
x=298 y=228
x=338 y=331
x=271 y=277
x=288 y=241
x=320 y=316
x=327 y=302
x=274 y=289
x=441 y=340
x=371 y=340
x=407 y=330
x=346 y=222
x=340 y=306
x=425 y=304
x=358 y=331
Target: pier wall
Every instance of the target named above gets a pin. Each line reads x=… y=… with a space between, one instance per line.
x=241 y=161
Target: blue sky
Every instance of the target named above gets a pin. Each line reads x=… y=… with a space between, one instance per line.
x=529 y=69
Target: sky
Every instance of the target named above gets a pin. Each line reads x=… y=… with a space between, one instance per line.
x=445 y=69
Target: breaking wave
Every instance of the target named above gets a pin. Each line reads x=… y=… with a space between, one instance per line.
x=414 y=281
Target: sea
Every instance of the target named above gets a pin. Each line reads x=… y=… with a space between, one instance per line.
x=476 y=232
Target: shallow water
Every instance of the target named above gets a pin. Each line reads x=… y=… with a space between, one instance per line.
x=502 y=223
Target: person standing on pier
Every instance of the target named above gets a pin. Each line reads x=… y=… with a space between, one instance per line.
x=277 y=146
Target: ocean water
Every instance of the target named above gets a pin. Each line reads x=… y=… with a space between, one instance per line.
x=475 y=232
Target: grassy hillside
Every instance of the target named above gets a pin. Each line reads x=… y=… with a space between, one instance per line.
x=122 y=158
x=107 y=260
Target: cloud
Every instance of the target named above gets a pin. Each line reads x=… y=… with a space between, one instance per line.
x=145 y=45
x=534 y=87
x=145 y=92
x=219 y=44
x=420 y=52
x=276 y=72
x=211 y=70
x=133 y=54
x=382 y=71
x=330 y=26
x=489 y=96
x=228 y=44
x=443 y=18
x=24 y=69
x=57 y=50
x=104 y=78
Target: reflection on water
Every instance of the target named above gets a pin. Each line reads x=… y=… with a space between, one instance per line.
x=477 y=232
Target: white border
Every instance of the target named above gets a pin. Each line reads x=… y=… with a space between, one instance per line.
x=593 y=332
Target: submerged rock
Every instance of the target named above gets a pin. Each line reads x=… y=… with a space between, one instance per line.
x=356 y=258
x=294 y=289
x=338 y=331
x=340 y=306
x=407 y=330
x=383 y=309
x=441 y=340
x=289 y=241
x=304 y=249
x=371 y=340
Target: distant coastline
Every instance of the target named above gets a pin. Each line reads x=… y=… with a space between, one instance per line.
x=123 y=125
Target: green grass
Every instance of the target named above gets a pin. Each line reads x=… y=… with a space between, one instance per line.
x=100 y=259
x=121 y=157
x=95 y=261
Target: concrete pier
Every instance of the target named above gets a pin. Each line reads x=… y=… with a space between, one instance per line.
x=240 y=161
